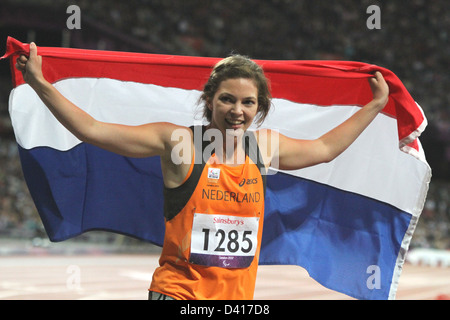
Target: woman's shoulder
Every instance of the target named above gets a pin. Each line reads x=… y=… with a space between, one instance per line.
x=268 y=143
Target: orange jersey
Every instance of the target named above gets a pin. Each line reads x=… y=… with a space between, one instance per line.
x=214 y=224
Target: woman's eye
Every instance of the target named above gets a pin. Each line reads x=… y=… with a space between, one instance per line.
x=225 y=99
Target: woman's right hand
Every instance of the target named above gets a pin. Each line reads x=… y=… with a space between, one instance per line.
x=31 y=67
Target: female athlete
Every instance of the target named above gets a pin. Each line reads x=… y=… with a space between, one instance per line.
x=214 y=204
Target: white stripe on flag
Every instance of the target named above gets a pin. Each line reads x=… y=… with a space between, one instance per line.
x=374 y=156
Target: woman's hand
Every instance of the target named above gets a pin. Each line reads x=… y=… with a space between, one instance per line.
x=31 y=67
x=380 y=90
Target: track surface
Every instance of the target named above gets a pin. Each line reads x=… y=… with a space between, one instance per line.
x=127 y=277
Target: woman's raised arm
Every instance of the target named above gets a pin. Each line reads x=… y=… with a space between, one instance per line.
x=136 y=141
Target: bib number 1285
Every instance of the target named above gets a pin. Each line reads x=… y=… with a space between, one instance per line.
x=223 y=241
x=230 y=241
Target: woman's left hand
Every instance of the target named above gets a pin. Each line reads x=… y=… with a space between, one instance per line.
x=380 y=90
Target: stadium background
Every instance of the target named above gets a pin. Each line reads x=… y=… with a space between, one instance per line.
x=413 y=42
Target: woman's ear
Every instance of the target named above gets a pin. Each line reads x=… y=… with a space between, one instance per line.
x=209 y=103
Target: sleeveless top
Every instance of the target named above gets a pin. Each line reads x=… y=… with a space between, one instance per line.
x=214 y=223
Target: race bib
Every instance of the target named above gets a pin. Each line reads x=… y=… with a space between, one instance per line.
x=223 y=241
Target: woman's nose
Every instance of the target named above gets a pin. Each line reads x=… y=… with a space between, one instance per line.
x=237 y=108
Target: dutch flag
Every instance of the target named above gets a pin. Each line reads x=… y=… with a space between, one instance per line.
x=348 y=222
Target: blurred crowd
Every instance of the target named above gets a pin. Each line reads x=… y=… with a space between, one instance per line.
x=433 y=230
x=18 y=216
x=413 y=42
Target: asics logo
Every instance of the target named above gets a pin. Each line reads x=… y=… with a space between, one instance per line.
x=248 y=181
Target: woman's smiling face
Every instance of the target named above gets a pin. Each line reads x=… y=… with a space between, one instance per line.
x=234 y=105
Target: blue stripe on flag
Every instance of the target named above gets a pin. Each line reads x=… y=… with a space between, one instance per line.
x=89 y=188
x=336 y=235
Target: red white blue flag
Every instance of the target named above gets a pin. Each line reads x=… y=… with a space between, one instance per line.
x=348 y=222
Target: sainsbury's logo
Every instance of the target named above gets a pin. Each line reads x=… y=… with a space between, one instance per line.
x=236 y=222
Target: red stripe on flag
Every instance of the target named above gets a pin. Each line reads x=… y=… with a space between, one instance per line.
x=321 y=83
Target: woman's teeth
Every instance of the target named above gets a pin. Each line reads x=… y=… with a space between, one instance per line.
x=234 y=122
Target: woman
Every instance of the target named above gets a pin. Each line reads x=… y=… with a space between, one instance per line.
x=214 y=202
